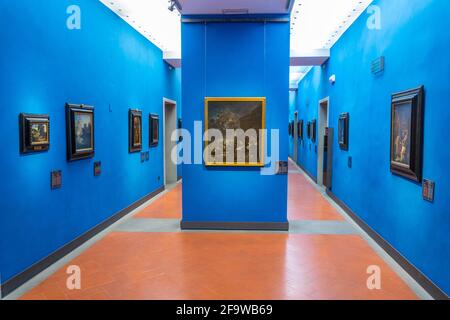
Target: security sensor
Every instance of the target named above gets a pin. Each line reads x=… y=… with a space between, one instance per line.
x=333 y=79
x=172 y=5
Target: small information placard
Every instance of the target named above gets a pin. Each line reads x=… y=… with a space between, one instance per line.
x=56 y=179
x=428 y=190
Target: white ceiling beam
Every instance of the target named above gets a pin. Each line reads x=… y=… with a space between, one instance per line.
x=303 y=58
x=310 y=58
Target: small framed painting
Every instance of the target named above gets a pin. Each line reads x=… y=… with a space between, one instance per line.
x=180 y=126
x=313 y=130
x=154 y=130
x=343 y=131
x=308 y=130
x=80 y=132
x=407 y=133
x=34 y=133
x=300 y=129
x=135 y=130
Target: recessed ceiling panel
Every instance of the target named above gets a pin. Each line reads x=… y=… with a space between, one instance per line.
x=207 y=7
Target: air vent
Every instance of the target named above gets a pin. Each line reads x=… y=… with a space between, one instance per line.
x=235 y=11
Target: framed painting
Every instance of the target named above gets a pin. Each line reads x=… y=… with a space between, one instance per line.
x=407 y=133
x=313 y=130
x=300 y=129
x=233 y=131
x=135 y=130
x=154 y=130
x=34 y=133
x=343 y=131
x=308 y=130
x=80 y=132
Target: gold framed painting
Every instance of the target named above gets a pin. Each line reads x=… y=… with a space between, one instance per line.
x=234 y=132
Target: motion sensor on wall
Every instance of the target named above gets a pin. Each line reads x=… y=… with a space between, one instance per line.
x=333 y=79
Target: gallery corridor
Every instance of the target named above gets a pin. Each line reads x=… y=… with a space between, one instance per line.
x=146 y=256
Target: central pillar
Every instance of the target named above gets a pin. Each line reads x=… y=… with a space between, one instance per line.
x=246 y=58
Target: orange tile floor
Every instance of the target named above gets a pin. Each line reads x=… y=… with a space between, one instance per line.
x=221 y=265
x=166 y=207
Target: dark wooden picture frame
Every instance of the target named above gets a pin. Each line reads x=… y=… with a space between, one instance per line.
x=406 y=154
x=343 y=131
x=34 y=133
x=154 y=130
x=135 y=130
x=80 y=129
x=308 y=130
x=313 y=130
x=300 y=129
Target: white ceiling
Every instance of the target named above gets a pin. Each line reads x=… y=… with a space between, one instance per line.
x=315 y=24
x=152 y=19
x=230 y=6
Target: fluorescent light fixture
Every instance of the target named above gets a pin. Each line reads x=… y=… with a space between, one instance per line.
x=152 y=19
x=318 y=24
x=296 y=74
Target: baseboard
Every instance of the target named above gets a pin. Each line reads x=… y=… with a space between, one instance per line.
x=415 y=273
x=255 y=226
x=18 y=280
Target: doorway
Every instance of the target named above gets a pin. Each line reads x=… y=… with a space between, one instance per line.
x=170 y=124
x=322 y=135
x=295 y=151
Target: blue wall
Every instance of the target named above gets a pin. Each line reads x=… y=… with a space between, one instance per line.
x=413 y=40
x=44 y=65
x=235 y=60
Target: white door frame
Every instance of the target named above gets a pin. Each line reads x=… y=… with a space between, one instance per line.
x=320 y=134
x=173 y=102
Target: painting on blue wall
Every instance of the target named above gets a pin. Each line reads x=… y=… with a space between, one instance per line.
x=135 y=130
x=80 y=132
x=154 y=130
x=233 y=131
x=308 y=130
x=343 y=131
x=34 y=133
x=407 y=134
x=313 y=130
x=300 y=129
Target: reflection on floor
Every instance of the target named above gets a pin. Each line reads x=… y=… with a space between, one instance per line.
x=148 y=257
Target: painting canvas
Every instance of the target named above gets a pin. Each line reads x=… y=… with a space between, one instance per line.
x=80 y=132
x=313 y=130
x=154 y=130
x=226 y=147
x=83 y=131
x=300 y=129
x=343 y=131
x=406 y=134
x=135 y=131
x=34 y=133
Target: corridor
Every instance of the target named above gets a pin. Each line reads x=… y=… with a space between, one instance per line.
x=147 y=256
